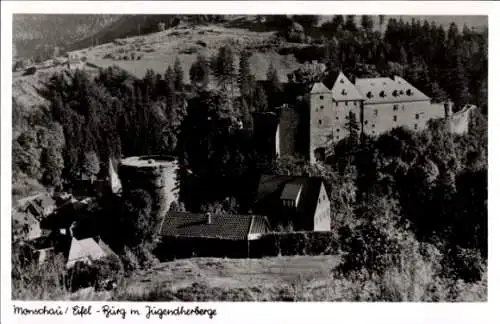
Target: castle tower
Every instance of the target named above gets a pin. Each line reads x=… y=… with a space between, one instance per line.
x=346 y=100
x=320 y=122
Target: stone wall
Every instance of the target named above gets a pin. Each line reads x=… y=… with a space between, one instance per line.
x=458 y=123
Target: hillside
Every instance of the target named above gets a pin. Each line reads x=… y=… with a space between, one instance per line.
x=33 y=34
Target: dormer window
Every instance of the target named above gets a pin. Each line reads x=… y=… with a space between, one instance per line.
x=409 y=92
x=291 y=194
x=382 y=94
x=401 y=92
x=395 y=93
x=369 y=94
x=341 y=80
x=344 y=92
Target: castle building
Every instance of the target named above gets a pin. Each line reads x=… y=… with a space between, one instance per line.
x=379 y=104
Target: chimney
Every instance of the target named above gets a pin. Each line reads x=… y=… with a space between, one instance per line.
x=209 y=218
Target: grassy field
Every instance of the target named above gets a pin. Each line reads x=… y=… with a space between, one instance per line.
x=263 y=273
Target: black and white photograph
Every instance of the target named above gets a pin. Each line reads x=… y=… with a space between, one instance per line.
x=249 y=158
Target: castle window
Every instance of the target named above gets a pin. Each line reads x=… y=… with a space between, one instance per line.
x=338 y=130
x=373 y=125
x=344 y=92
x=366 y=122
x=401 y=92
x=321 y=97
x=395 y=118
x=375 y=112
x=322 y=107
x=369 y=94
x=337 y=118
x=409 y=92
x=336 y=103
x=382 y=94
x=415 y=126
x=319 y=121
x=395 y=107
x=395 y=93
x=417 y=116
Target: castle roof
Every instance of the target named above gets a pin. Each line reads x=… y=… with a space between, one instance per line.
x=319 y=87
x=387 y=90
x=344 y=90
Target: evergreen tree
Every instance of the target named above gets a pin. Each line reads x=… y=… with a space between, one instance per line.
x=275 y=88
x=223 y=68
x=90 y=164
x=350 y=24
x=353 y=128
x=170 y=92
x=260 y=96
x=367 y=23
x=244 y=75
x=178 y=75
x=381 y=20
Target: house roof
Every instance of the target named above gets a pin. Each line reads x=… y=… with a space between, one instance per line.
x=319 y=87
x=25 y=218
x=344 y=90
x=45 y=201
x=85 y=249
x=229 y=227
x=387 y=90
x=42 y=243
x=291 y=191
x=271 y=187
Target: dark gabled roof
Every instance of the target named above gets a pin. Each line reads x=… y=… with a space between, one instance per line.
x=41 y=243
x=271 y=187
x=229 y=227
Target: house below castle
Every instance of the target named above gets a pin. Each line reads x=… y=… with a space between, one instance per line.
x=293 y=203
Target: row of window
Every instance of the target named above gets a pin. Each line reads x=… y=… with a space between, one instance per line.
x=394 y=118
x=375 y=113
x=337 y=103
